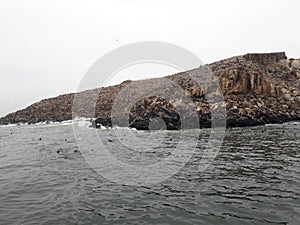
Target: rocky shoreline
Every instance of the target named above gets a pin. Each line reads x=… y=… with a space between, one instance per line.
x=257 y=88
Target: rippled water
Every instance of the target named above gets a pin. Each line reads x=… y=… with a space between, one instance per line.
x=254 y=180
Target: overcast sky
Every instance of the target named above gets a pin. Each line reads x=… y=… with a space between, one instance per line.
x=47 y=46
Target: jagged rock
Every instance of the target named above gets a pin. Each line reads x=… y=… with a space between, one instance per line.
x=146 y=111
x=257 y=89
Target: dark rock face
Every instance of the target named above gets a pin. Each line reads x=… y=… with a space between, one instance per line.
x=155 y=111
x=265 y=58
x=257 y=89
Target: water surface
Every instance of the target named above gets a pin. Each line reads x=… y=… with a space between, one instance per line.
x=254 y=180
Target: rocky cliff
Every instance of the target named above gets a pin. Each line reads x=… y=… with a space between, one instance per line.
x=257 y=88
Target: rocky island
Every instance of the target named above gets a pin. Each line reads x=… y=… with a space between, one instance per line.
x=257 y=88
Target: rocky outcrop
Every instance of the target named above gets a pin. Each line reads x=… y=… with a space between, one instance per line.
x=265 y=58
x=146 y=113
x=257 y=88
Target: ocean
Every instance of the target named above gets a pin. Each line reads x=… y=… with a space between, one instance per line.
x=46 y=179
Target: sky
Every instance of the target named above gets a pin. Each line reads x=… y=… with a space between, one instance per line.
x=46 y=47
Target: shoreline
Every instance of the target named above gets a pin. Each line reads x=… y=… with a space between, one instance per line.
x=71 y=122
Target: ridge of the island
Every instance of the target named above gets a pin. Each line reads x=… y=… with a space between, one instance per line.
x=258 y=88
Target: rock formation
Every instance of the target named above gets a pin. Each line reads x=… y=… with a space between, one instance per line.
x=257 y=89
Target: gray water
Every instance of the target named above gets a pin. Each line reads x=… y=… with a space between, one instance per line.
x=253 y=180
